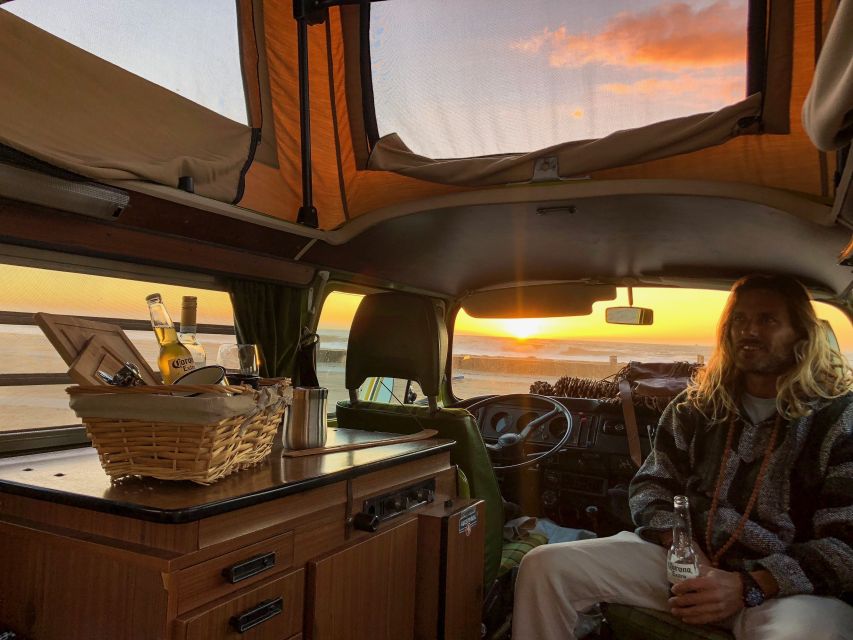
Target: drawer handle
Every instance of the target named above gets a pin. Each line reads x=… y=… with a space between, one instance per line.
x=249 y=568
x=255 y=616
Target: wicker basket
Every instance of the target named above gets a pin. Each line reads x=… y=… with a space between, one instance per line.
x=190 y=449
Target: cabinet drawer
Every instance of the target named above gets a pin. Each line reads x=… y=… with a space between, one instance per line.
x=225 y=574
x=272 y=611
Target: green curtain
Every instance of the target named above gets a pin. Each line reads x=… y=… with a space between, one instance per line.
x=271 y=316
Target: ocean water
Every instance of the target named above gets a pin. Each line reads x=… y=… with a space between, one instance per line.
x=482 y=364
x=551 y=349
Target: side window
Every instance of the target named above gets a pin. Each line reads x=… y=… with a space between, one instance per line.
x=33 y=376
x=333 y=329
x=394 y=391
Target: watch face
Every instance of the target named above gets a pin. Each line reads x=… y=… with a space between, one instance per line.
x=753 y=597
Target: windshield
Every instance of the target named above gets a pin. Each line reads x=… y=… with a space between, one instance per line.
x=507 y=356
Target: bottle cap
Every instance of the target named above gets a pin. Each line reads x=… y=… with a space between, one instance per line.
x=189 y=301
x=154 y=297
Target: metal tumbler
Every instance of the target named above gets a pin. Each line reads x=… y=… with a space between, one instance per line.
x=306 y=418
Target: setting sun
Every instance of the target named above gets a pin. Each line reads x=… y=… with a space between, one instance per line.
x=521 y=328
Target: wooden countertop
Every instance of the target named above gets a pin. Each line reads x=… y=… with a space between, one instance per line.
x=75 y=477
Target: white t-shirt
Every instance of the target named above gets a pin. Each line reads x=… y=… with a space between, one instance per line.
x=758 y=409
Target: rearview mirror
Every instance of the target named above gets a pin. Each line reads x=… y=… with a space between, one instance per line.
x=629 y=315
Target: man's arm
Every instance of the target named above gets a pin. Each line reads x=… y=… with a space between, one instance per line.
x=662 y=476
x=824 y=564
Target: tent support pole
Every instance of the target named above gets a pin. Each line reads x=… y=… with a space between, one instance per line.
x=307 y=12
x=307 y=214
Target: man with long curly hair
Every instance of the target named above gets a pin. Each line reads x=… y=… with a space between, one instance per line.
x=761 y=443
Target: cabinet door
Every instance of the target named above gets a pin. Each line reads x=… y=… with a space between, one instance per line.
x=366 y=591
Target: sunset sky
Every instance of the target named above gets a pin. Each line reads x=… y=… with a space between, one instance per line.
x=28 y=289
x=681 y=316
x=482 y=76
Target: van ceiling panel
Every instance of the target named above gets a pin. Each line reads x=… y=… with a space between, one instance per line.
x=455 y=250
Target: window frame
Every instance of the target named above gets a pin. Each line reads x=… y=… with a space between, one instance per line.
x=26 y=441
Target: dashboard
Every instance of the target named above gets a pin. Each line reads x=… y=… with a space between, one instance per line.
x=597 y=426
x=585 y=485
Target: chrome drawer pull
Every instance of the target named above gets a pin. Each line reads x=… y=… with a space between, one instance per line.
x=249 y=568
x=261 y=613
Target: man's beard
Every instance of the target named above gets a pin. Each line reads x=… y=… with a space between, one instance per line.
x=762 y=360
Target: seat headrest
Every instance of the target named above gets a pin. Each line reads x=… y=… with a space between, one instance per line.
x=397 y=335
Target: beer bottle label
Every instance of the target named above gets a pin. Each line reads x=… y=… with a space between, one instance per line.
x=182 y=365
x=677 y=571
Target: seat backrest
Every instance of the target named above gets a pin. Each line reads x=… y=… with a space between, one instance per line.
x=403 y=336
x=398 y=335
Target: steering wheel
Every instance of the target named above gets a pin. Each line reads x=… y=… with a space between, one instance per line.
x=511 y=440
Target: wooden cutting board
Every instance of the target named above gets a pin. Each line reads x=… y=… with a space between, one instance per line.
x=349 y=439
x=70 y=336
x=107 y=353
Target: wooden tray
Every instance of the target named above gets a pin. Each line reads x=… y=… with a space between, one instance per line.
x=106 y=352
x=348 y=439
x=70 y=335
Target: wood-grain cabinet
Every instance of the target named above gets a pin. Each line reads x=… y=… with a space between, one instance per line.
x=281 y=569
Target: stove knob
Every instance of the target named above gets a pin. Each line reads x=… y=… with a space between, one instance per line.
x=365 y=521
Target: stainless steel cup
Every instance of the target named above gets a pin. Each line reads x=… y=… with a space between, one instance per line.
x=306 y=418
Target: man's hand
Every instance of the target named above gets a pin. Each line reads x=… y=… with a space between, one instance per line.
x=710 y=598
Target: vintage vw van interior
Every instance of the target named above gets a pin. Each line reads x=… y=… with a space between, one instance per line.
x=431 y=209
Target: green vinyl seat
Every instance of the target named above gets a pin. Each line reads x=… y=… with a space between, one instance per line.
x=637 y=623
x=403 y=336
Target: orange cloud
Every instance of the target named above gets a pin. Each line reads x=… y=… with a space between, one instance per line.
x=672 y=36
x=700 y=92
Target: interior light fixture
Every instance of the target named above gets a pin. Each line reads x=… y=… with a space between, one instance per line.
x=86 y=198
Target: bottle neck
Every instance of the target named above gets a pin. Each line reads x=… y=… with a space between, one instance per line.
x=188 y=319
x=681 y=530
x=188 y=329
x=160 y=318
x=680 y=536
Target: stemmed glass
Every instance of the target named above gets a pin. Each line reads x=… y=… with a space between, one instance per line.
x=241 y=363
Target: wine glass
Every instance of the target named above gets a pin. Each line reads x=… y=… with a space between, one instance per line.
x=241 y=363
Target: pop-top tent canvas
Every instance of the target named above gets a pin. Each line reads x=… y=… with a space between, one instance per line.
x=410 y=99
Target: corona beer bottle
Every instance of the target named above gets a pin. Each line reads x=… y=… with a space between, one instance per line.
x=681 y=560
x=175 y=359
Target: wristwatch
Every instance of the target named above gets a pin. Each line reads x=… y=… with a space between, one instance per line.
x=753 y=594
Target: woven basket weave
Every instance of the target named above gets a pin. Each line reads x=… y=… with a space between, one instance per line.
x=202 y=453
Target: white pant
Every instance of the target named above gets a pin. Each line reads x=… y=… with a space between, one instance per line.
x=556 y=581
